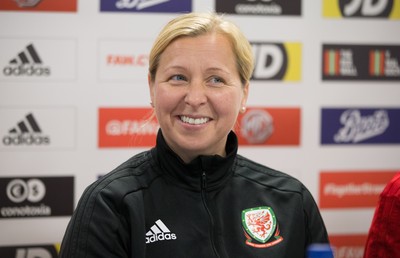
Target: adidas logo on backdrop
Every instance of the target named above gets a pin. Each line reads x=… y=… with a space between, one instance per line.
x=26 y=132
x=159 y=232
x=26 y=63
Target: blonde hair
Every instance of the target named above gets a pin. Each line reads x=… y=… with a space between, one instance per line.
x=196 y=24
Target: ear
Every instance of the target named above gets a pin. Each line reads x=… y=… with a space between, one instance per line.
x=151 y=89
x=245 y=96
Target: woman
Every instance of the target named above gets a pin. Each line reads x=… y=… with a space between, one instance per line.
x=193 y=195
x=383 y=239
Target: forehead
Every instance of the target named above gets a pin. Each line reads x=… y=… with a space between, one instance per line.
x=213 y=47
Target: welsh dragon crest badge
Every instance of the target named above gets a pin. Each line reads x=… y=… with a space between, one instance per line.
x=260 y=227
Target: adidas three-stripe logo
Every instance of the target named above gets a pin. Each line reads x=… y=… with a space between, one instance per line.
x=23 y=128
x=27 y=63
x=159 y=232
x=27 y=57
x=26 y=133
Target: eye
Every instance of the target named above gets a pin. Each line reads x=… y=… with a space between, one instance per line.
x=178 y=77
x=215 y=80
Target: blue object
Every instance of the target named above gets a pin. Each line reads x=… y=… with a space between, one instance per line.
x=320 y=251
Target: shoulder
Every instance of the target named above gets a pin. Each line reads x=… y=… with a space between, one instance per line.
x=269 y=177
x=392 y=189
x=133 y=175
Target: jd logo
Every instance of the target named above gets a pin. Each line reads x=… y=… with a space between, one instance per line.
x=361 y=8
x=270 y=61
x=34 y=252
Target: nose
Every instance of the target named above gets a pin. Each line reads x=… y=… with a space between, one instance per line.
x=196 y=94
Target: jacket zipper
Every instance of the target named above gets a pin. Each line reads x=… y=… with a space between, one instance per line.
x=203 y=197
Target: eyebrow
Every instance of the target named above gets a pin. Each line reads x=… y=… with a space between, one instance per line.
x=208 y=70
x=179 y=67
x=212 y=69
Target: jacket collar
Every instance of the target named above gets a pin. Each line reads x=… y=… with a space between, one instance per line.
x=217 y=169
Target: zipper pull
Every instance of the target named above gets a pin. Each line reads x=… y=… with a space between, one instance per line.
x=204 y=180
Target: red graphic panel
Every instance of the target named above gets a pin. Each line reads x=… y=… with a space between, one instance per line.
x=269 y=126
x=348 y=246
x=39 y=5
x=127 y=127
x=355 y=189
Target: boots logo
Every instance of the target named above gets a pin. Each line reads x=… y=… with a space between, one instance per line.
x=357 y=128
x=26 y=63
x=138 y=4
x=362 y=8
x=26 y=132
x=157 y=6
x=277 y=61
x=260 y=227
x=360 y=126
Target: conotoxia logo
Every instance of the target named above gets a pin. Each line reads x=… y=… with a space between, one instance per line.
x=362 y=8
x=360 y=126
x=31 y=251
x=354 y=189
x=269 y=126
x=348 y=246
x=277 y=61
x=162 y=6
x=127 y=127
x=361 y=62
x=39 y=5
x=36 y=197
x=259 y=7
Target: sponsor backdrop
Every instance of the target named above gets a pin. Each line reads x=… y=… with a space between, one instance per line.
x=324 y=104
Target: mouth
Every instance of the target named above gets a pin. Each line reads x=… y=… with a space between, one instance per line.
x=194 y=121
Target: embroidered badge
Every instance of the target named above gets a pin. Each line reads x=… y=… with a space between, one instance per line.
x=260 y=225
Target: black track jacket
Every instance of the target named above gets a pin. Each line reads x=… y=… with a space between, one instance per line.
x=154 y=205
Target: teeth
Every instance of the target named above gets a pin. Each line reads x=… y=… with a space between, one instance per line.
x=194 y=121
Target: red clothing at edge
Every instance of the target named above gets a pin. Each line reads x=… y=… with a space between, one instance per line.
x=384 y=235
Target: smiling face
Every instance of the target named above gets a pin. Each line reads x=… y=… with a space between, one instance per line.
x=197 y=94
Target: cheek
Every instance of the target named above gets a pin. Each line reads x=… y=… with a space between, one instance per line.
x=166 y=98
x=228 y=104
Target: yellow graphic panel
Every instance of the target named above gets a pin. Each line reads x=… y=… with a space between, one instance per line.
x=293 y=72
x=330 y=8
x=395 y=13
x=57 y=246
